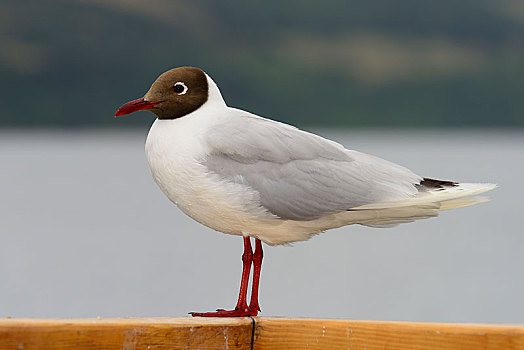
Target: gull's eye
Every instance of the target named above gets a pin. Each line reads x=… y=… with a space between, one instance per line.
x=180 y=88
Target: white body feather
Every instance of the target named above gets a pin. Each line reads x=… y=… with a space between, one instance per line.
x=224 y=185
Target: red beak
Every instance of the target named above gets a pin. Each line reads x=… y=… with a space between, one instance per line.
x=136 y=105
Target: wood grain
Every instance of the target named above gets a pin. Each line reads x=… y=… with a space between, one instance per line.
x=275 y=333
x=236 y=333
x=127 y=334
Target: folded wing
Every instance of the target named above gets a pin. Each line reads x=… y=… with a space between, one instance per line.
x=299 y=175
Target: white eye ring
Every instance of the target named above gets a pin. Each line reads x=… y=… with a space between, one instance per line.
x=179 y=83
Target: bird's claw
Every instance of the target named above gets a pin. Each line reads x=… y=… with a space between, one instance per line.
x=244 y=312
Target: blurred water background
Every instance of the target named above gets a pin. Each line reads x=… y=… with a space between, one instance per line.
x=434 y=86
x=85 y=232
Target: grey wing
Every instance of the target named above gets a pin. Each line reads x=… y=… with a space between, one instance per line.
x=298 y=175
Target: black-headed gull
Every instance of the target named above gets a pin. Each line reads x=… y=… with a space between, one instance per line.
x=245 y=175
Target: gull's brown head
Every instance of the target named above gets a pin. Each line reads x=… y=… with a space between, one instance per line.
x=175 y=93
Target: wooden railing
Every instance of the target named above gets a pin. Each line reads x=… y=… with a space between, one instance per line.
x=251 y=333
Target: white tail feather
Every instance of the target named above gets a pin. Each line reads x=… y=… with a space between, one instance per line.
x=443 y=198
x=462 y=202
x=431 y=201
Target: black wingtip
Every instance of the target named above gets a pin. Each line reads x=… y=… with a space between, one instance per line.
x=432 y=184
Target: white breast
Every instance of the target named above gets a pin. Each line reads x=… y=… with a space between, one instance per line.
x=174 y=150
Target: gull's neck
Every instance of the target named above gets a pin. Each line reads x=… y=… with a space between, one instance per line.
x=214 y=98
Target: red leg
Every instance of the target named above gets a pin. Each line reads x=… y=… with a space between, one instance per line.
x=247 y=260
x=241 y=309
x=257 y=266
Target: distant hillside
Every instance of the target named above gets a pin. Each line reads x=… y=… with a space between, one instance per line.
x=352 y=63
